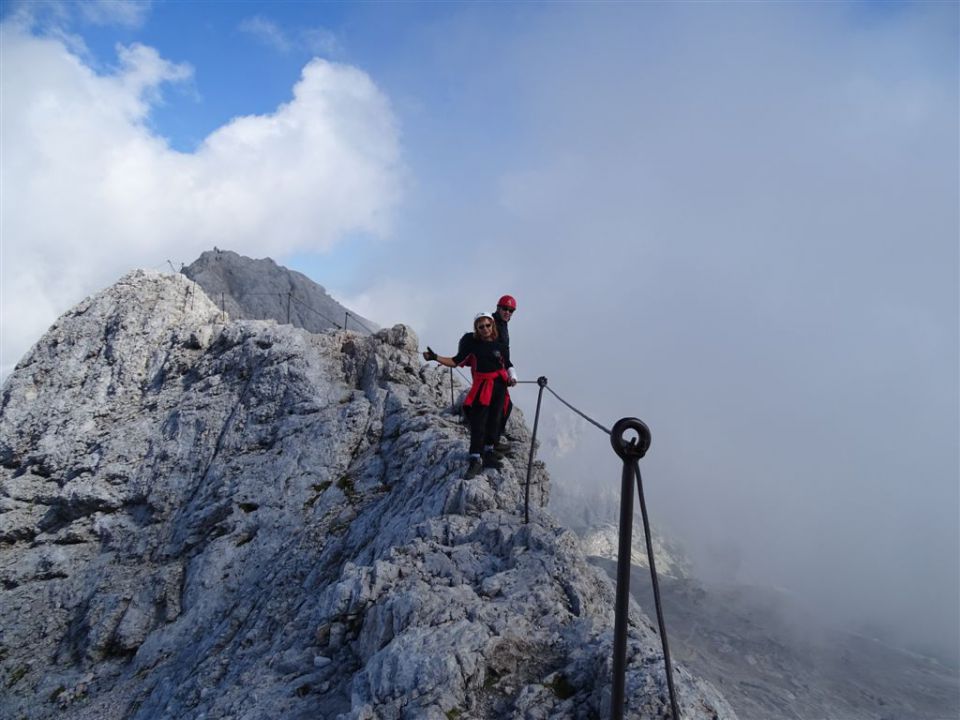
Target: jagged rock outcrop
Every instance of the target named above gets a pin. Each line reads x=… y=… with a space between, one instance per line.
x=247 y=520
x=603 y=541
x=249 y=289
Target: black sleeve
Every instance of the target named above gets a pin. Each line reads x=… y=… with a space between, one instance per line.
x=464 y=348
x=502 y=330
x=505 y=349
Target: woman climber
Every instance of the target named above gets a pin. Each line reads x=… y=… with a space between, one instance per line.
x=489 y=361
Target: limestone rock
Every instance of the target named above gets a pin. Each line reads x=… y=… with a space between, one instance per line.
x=202 y=519
x=602 y=541
x=248 y=289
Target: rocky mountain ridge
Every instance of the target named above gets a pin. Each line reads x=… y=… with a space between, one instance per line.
x=259 y=289
x=212 y=518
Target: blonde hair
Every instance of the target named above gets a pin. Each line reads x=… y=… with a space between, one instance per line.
x=476 y=333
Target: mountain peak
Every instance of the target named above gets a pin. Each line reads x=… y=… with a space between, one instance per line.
x=245 y=288
x=221 y=519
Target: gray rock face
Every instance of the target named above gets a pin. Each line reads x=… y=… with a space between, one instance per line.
x=603 y=541
x=247 y=520
x=248 y=289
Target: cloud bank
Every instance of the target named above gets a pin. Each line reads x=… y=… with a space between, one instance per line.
x=90 y=190
x=738 y=222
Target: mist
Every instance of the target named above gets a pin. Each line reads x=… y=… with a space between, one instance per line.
x=736 y=221
x=739 y=223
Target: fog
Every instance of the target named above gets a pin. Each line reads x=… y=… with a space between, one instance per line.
x=735 y=221
x=740 y=224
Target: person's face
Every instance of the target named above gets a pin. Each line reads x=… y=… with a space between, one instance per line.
x=484 y=326
x=505 y=313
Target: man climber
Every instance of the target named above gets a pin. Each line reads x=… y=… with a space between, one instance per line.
x=506 y=307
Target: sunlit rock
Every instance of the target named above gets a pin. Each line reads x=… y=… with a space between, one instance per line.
x=213 y=518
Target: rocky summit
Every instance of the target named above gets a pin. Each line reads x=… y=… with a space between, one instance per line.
x=259 y=289
x=211 y=518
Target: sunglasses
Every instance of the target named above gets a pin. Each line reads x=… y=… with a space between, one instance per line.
x=484 y=326
x=506 y=309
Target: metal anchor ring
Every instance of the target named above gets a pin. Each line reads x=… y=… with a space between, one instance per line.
x=635 y=448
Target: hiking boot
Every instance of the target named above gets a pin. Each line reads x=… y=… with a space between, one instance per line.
x=475 y=468
x=502 y=448
x=490 y=461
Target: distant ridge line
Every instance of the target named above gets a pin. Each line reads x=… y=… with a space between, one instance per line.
x=260 y=289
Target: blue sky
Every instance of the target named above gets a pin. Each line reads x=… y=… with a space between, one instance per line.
x=737 y=221
x=246 y=56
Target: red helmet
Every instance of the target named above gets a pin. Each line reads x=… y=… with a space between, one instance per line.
x=507 y=301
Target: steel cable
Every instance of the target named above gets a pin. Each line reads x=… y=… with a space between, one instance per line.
x=350 y=315
x=623 y=564
x=578 y=412
x=656 y=593
x=307 y=307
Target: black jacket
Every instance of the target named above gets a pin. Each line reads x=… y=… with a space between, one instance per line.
x=503 y=334
x=490 y=355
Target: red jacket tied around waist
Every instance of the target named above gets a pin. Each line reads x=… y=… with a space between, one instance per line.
x=482 y=388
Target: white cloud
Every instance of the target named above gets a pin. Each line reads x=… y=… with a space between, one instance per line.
x=565 y=433
x=53 y=17
x=320 y=41
x=313 y=40
x=126 y=13
x=266 y=32
x=90 y=191
x=390 y=302
x=739 y=223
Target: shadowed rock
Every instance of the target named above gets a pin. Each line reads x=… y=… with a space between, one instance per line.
x=248 y=289
x=248 y=520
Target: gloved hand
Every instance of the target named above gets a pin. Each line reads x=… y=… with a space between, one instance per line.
x=429 y=354
x=512 y=375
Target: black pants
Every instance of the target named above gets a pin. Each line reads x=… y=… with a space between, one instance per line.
x=485 y=419
x=503 y=419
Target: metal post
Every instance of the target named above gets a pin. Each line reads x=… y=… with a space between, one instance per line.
x=346 y=316
x=289 y=296
x=223 y=309
x=628 y=452
x=542 y=382
x=656 y=594
x=623 y=592
x=452 y=403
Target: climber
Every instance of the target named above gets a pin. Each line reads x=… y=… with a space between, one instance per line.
x=488 y=359
x=506 y=307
